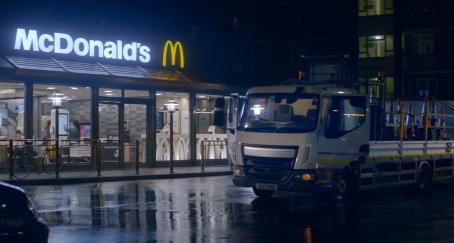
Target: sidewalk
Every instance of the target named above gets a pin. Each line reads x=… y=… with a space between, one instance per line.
x=76 y=177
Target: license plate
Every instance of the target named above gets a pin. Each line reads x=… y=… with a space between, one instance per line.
x=268 y=187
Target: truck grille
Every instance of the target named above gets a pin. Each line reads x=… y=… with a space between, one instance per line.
x=268 y=169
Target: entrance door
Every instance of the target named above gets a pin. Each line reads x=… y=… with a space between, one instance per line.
x=109 y=133
x=135 y=129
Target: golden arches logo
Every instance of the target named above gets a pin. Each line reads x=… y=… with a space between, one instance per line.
x=174 y=47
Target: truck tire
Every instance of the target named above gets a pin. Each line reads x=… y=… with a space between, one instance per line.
x=263 y=193
x=424 y=179
x=344 y=187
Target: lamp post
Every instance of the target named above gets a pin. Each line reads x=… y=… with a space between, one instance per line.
x=171 y=107
x=57 y=98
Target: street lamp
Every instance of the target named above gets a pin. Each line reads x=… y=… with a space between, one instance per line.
x=171 y=107
x=57 y=98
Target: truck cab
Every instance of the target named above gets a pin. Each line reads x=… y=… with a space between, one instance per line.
x=299 y=138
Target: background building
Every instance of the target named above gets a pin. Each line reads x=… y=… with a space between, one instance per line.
x=411 y=42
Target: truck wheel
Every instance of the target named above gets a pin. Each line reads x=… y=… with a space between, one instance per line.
x=424 y=180
x=263 y=193
x=344 y=186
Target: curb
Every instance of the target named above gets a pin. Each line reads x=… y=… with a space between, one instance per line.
x=81 y=180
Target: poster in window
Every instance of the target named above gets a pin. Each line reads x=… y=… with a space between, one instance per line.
x=63 y=124
x=159 y=120
x=85 y=130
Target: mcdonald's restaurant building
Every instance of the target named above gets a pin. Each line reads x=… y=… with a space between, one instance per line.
x=111 y=90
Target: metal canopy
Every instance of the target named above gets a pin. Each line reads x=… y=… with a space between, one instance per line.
x=102 y=70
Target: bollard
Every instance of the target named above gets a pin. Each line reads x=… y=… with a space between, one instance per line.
x=11 y=159
x=98 y=157
x=137 y=157
x=57 y=161
x=202 y=161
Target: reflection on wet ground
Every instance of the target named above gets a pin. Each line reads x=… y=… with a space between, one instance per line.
x=212 y=210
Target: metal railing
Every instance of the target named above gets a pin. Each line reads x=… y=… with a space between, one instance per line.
x=212 y=150
x=21 y=157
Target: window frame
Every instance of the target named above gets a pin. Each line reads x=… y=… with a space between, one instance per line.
x=364 y=9
x=388 y=42
x=338 y=134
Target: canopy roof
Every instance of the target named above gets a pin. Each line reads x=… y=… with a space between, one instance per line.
x=54 y=68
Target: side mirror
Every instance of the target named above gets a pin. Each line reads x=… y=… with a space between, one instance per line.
x=218 y=114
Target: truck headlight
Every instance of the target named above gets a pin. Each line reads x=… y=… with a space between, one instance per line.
x=238 y=172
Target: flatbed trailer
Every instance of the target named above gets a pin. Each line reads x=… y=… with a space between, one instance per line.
x=395 y=163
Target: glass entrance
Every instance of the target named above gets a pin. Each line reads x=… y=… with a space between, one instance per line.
x=135 y=129
x=109 y=135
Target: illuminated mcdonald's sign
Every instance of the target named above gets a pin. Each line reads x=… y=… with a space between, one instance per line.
x=174 y=47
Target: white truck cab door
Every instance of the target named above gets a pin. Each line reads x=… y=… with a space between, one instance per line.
x=233 y=109
x=344 y=129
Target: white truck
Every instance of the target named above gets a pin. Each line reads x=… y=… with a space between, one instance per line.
x=315 y=138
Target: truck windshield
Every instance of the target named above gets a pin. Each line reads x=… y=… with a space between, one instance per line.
x=280 y=113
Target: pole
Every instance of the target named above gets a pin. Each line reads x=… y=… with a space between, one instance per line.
x=11 y=159
x=202 y=155
x=57 y=145
x=426 y=122
x=137 y=157
x=171 y=142
x=402 y=128
x=98 y=157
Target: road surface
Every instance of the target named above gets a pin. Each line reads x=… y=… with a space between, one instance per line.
x=212 y=210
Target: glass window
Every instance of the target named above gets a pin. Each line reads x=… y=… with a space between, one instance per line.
x=181 y=126
x=280 y=113
x=108 y=121
x=389 y=8
x=389 y=45
x=213 y=136
x=109 y=92
x=362 y=47
x=137 y=94
x=375 y=7
x=389 y=87
x=419 y=44
x=11 y=110
x=362 y=5
x=74 y=123
x=344 y=115
x=376 y=46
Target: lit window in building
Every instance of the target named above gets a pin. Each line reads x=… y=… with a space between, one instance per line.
x=376 y=46
x=389 y=87
x=375 y=7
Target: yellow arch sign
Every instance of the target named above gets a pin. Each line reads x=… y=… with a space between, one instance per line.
x=174 y=47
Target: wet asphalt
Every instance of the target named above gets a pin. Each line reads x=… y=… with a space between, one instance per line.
x=211 y=209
